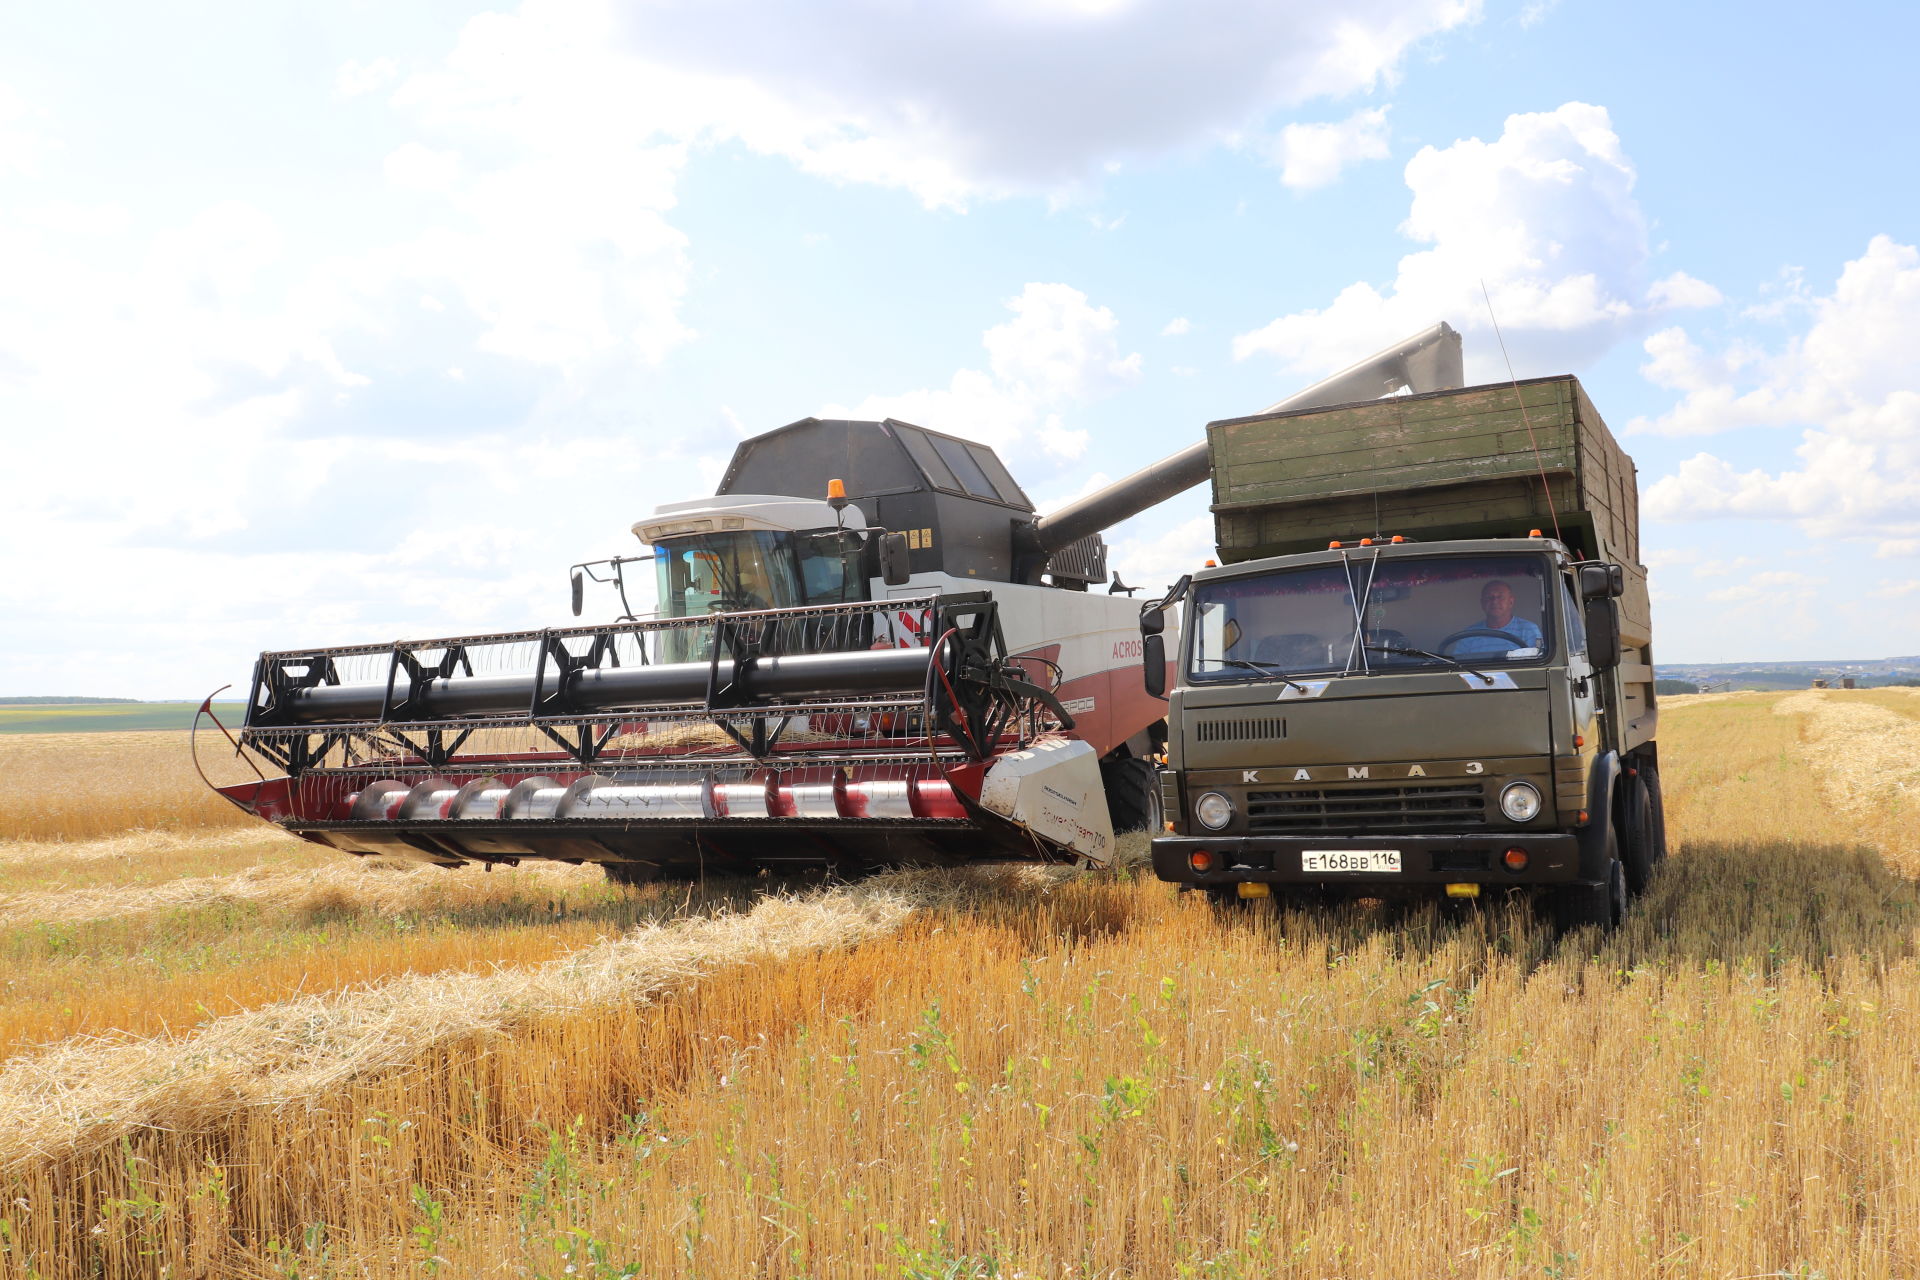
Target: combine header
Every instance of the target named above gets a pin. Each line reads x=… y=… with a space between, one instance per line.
x=938 y=686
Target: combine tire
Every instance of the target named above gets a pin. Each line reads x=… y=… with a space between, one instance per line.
x=1133 y=794
x=1597 y=904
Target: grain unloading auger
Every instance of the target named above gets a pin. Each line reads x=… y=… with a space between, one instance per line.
x=936 y=686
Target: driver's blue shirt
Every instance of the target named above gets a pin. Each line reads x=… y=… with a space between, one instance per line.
x=1528 y=633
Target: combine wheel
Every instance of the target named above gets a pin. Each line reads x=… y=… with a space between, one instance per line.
x=1133 y=794
x=1600 y=904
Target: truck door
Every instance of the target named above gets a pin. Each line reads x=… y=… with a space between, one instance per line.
x=1580 y=674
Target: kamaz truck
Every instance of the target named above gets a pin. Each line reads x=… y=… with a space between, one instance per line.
x=1423 y=664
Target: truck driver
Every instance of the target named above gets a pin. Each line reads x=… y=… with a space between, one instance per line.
x=1496 y=602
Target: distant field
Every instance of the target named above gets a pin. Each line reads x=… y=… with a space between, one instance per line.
x=94 y=717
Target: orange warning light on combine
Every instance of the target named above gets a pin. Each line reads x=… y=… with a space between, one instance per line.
x=836 y=488
x=1533 y=533
x=1213 y=564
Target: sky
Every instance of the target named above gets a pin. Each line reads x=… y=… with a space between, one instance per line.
x=340 y=324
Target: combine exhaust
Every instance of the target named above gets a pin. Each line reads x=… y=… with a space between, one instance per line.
x=679 y=747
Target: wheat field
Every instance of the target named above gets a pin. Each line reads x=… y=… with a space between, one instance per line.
x=226 y=1054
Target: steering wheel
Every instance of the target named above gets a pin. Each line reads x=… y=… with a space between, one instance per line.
x=1467 y=632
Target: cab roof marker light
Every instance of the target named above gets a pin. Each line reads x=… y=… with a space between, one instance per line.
x=1333 y=546
x=1396 y=539
x=1366 y=542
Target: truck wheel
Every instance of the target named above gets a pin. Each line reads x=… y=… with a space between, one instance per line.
x=1133 y=794
x=1650 y=774
x=1600 y=904
x=1638 y=851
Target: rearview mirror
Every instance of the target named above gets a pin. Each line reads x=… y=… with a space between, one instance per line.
x=1601 y=581
x=579 y=588
x=1603 y=633
x=1153 y=660
x=895 y=565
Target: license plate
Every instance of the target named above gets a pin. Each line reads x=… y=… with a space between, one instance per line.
x=1373 y=861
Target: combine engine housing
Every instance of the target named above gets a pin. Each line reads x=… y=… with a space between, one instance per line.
x=796 y=744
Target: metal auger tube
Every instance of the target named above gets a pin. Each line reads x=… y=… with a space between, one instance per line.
x=808 y=675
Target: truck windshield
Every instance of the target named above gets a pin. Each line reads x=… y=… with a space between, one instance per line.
x=1373 y=614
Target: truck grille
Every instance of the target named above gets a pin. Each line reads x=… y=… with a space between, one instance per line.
x=1436 y=806
x=1239 y=730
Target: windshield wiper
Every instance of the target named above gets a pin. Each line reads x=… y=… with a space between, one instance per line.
x=1271 y=669
x=1423 y=653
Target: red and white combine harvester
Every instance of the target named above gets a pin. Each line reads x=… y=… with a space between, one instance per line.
x=868 y=651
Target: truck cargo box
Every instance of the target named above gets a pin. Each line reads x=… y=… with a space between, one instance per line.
x=1447 y=464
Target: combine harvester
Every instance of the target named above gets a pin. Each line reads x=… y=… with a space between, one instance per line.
x=868 y=652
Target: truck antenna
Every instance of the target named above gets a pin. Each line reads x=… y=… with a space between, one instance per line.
x=1546 y=490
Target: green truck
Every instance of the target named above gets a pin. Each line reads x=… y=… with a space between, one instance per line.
x=1424 y=663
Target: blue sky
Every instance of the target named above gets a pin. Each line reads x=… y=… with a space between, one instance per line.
x=332 y=325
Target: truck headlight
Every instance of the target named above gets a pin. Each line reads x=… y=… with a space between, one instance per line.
x=1214 y=810
x=1520 y=801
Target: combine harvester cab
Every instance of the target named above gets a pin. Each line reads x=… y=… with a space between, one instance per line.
x=814 y=692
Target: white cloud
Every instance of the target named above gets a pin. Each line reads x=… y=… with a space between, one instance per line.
x=1848 y=380
x=356 y=78
x=1534 y=12
x=960 y=101
x=1779 y=586
x=1176 y=326
x=1057 y=351
x=1315 y=155
x=1544 y=216
x=21 y=142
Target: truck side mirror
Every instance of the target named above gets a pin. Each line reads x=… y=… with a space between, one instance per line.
x=1153 y=659
x=1598 y=580
x=579 y=588
x=1603 y=633
x=895 y=566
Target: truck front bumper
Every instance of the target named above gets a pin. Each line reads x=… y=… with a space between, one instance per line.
x=1424 y=860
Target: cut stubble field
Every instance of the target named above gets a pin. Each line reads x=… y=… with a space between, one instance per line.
x=224 y=1053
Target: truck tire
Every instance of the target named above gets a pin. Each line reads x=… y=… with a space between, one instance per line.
x=1637 y=851
x=1600 y=904
x=1651 y=776
x=1133 y=794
